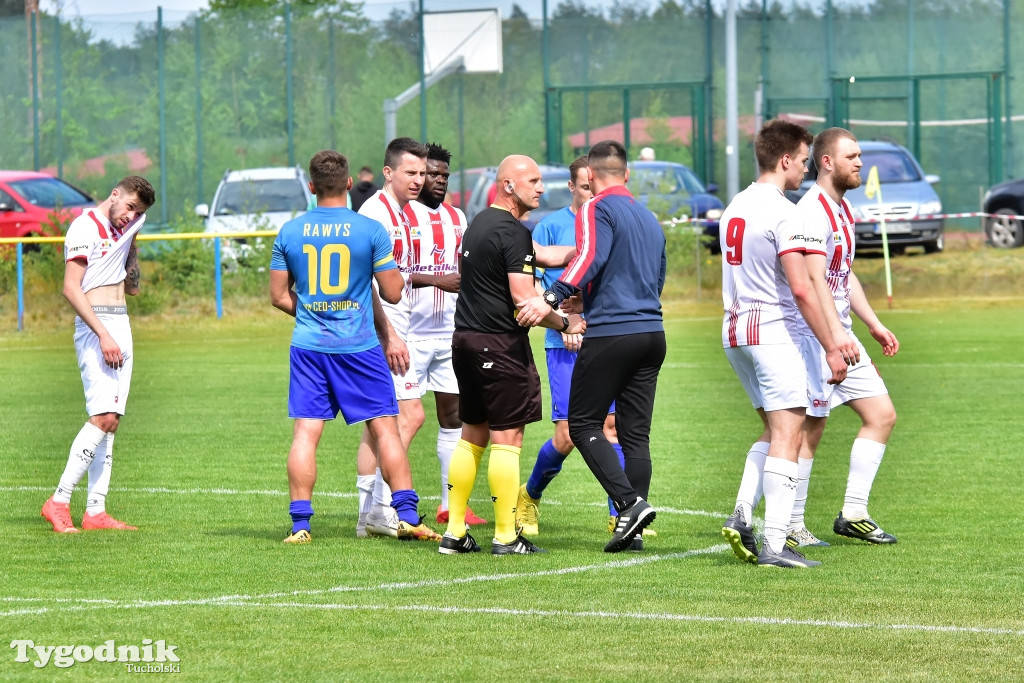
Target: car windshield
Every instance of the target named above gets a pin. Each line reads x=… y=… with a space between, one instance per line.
x=260 y=196
x=668 y=180
x=893 y=166
x=49 y=193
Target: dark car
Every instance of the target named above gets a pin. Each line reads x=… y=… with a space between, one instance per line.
x=910 y=205
x=32 y=203
x=672 y=189
x=1006 y=229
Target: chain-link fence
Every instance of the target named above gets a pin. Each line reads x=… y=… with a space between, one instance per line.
x=180 y=98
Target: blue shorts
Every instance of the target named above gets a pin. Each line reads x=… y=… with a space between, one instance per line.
x=358 y=385
x=560 y=364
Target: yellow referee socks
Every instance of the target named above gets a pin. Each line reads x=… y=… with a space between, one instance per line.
x=503 y=476
x=461 y=476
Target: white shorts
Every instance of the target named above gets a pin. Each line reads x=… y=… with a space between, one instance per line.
x=434 y=365
x=106 y=388
x=862 y=380
x=773 y=375
x=407 y=386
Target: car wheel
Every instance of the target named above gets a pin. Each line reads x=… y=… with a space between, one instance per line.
x=1003 y=231
x=936 y=245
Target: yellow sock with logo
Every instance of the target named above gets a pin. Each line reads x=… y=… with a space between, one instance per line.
x=503 y=476
x=461 y=476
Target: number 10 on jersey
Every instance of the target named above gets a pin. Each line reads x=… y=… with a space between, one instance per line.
x=328 y=267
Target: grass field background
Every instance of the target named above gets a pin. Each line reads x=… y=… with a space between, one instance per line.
x=199 y=466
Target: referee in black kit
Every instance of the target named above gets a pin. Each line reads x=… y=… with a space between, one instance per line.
x=499 y=388
x=620 y=270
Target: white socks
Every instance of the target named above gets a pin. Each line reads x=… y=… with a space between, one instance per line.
x=99 y=476
x=83 y=451
x=865 y=457
x=381 y=491
x=364 y=483
x=751 y=488
x=446 y=440
x=780 y=482
x=803 y=466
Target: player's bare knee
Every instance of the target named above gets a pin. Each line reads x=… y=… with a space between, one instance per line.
x=106 y=422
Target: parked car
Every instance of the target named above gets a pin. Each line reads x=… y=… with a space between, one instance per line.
x=479 y=191
x=673 y=189
x=31 y=204
x=1006 y=200
x=909 y=202
x=256 y=199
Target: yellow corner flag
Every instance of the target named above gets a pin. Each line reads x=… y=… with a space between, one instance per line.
x=872 y=186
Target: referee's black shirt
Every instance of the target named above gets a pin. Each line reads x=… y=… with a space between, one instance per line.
x=495 y=244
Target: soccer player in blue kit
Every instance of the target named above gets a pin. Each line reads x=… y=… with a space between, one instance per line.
x=320 y=272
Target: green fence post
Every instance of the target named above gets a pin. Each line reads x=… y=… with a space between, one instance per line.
x=58 y=69
x=996 y=116
x=35 y=95
x=199 y=113
x=626 y=142
x=331 y=96
x=290 y=104
x=163 y=112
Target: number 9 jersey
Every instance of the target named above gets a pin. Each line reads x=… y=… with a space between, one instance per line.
x=756 y=229
x=332 y=254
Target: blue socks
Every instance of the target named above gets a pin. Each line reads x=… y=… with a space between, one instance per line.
x=301 y=511
x=405 y=503
x=549 y=463
x=622 y=463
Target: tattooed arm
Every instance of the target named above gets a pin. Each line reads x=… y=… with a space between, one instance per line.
x=133 y=273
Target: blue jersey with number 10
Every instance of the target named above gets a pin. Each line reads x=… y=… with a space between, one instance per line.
x=332 y=254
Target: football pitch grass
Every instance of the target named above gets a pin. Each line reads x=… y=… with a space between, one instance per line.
x=200 y=468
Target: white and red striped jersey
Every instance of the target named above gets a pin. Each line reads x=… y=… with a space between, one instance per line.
x=104 y=247
x=436 y=236
x=757 y=228
x=383 y=208
x=830 y=225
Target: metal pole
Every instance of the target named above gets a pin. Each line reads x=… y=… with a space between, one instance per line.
x=553 y=142
x=217 y=278
x=163 y=112
x=423 y=79
x=829 y=66
x=1007 y=60
x=288 y=82
x=199 y=113
x=732 y=158
x=912 y=121
x=462 y=146
x=35 y=93
x=626 y=116
x=709 y=74
x=21 y=288
x=60 y=105
x=331 y=96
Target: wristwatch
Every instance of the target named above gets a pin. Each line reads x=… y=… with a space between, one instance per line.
x=551 y=299
x=565 y=324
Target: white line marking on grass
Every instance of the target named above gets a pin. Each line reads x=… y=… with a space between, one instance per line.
x=391 y=586
x=662 y=616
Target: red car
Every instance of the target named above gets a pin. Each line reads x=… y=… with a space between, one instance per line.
x=29 y=202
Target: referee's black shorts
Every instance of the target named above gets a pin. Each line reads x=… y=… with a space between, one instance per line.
x=498 y=380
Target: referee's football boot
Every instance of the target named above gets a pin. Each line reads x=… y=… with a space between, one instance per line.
x=787 y=559
x=415 y=532
x=300 y=536
x=520 y=546
x=864 y=529
x=631 y=522
x=802 y=538
x=452 y=545
x=741 y=537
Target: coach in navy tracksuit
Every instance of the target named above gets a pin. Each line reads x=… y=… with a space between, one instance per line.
x=620 y=270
